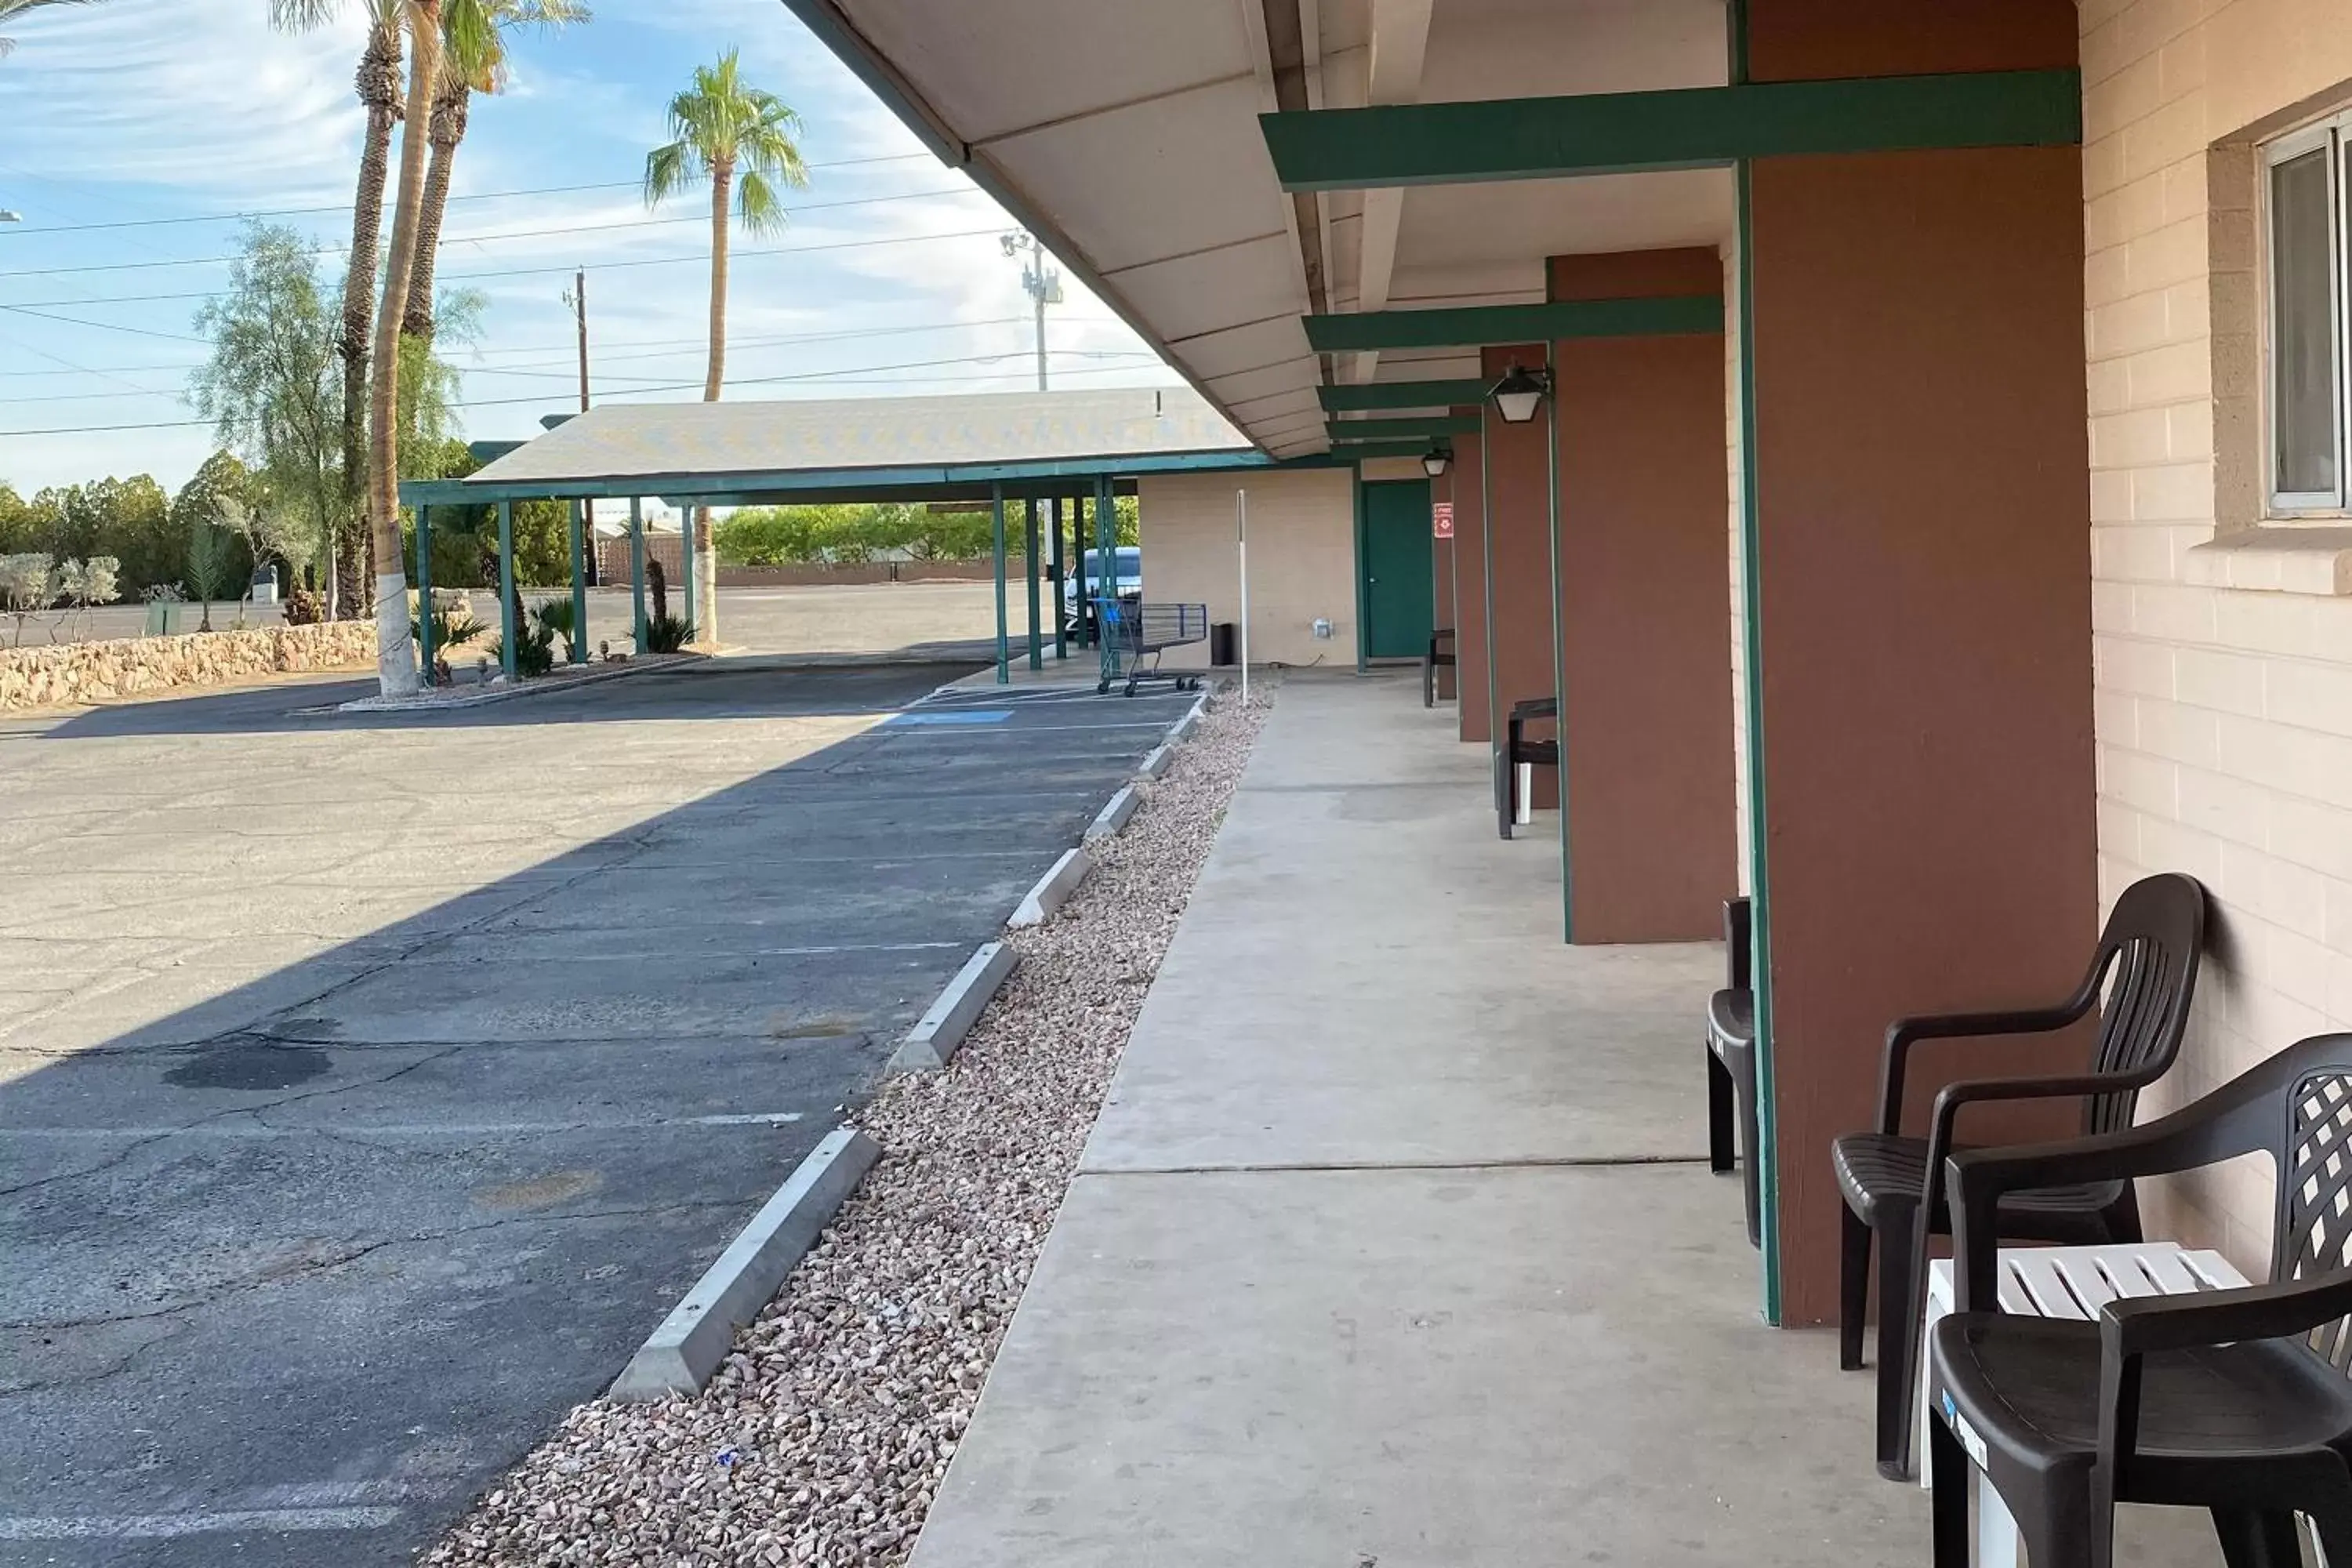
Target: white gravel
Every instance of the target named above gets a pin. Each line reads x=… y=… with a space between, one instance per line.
x=825 y=1436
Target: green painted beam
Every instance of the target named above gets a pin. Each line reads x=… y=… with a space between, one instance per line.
x=1472 y=326
x=1435 y=426
x=1679 y=128
x=1400 y=394
x=1371 y=449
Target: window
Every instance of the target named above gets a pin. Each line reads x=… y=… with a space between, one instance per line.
x=2307 y=195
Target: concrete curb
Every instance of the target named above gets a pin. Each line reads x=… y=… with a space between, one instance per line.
x=938 y=1033
x=1152 y=766
x=695 y=1338
x=1052 y=888
x=1183 y=728
x=1114 y=813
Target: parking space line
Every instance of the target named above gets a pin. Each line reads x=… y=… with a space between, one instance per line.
x=168 y=1526
x=409 y=1129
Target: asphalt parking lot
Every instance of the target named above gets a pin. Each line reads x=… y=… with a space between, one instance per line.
x=370 y=1087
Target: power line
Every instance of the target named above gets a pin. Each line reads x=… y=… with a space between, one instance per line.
x=532 y=369
x=35 y=307
x=472 y=238
x=15 y=232
x=674 y=386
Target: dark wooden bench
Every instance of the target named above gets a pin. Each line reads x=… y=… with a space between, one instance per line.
x=1517 y=749
x=1438 y=656
x=1731 y=1065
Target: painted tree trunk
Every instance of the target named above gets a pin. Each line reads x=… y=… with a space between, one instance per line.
x=395 y=653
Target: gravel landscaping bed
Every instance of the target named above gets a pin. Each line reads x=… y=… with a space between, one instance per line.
x=825 y=1436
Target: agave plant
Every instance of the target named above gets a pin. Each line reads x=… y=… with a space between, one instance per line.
x=668 y=633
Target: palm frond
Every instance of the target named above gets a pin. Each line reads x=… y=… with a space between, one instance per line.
x=671 y=169
x=12 y=9
x=721 y=122
x=757 y=207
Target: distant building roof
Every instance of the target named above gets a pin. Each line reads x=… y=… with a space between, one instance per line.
x=714 y=441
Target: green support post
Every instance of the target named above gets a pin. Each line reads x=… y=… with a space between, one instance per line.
x=581 y=509
x=424 y=592
x=638 y=568
x=509 y=630
x=1078 y=566
x=1061 y=574
x=1003 y=648
x=1550 y=411
x=1029 y=572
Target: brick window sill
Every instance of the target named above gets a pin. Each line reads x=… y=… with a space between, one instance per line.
x=2283 y=560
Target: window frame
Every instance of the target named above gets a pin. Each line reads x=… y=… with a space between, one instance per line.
x=2332 y=135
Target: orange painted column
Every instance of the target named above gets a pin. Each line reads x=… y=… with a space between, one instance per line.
x=1921 y=474
x=1440 y=577
x=1645 y=612
x=1470 y=589
x=1518 y=520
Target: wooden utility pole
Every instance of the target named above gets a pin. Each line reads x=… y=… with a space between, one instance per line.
x=580 y=311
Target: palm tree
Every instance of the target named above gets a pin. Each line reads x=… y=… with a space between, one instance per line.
x=12 y=9
x=739 y=139
x=377 y=83
x=462 y=78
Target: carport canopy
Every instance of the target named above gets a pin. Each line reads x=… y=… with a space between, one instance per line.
x=943 y=449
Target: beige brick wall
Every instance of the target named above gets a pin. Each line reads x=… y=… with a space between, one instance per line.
x=1302 y=556
x=2224 y=713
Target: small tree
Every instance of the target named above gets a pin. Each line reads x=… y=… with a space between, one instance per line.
x=208 y=565
x=23 y=587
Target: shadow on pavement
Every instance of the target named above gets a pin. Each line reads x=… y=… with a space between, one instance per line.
x=297 y=1270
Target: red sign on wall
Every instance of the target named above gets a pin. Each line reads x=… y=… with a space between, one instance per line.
x=1441 y=518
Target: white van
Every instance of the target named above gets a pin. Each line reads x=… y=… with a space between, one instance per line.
x=1127 y=561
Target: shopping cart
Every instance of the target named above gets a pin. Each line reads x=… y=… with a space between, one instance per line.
x=1133 y=631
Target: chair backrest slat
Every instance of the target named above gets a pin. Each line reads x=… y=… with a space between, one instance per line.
x=2148 y=958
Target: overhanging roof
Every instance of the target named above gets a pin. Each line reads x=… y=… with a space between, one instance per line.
x=865 y=447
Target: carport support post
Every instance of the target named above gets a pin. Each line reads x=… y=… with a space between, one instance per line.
x=1106 y=549
x=1061 y=569
x=509 y=630
x=637 y=570
x=685 y=563
x=579 y=583
x=1029 y=572
x=1078 y=566
x=425 y=591
x=1003 y=646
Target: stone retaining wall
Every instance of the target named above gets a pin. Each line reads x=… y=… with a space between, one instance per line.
x=70 y=674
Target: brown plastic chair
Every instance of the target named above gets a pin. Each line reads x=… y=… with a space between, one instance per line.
x=1731 y=1065
x=1516 y=749
x=1438 y=656
x=2235 y=1400
x=2151 y=946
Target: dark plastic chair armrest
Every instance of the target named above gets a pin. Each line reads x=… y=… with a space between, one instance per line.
x=1536 y=707
x=1976 y=1179
x=2140 y=1324
x=1905 y=1033
x=2131 y=1328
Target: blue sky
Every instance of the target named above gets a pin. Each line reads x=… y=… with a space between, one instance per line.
x=890 y=281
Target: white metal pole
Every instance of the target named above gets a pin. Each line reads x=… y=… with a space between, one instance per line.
x=1241 y=524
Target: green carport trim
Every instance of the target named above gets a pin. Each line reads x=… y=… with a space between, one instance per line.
x=1431 y=427
x=1475 y=326
x=1365 y=451
x=1402 y=395
x=1678 y=128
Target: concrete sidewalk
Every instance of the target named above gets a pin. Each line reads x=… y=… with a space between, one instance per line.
x=1396 y=1243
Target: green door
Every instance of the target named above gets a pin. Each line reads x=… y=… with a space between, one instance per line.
x=1398 y=579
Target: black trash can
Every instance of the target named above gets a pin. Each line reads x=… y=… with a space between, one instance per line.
x=1223 y=636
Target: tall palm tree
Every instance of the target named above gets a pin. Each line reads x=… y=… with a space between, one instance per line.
x=377 y=83
x=741 y=140
x=461 y=77
x=12 y=9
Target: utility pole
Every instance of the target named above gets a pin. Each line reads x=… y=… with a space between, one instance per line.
x=577 y=298
x=1042 y=283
